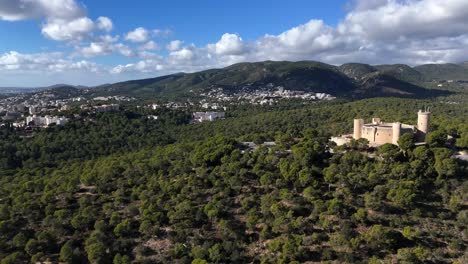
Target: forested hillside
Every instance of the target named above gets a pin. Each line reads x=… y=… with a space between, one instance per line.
x=119 y=188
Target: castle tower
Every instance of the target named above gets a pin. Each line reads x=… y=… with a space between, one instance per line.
x=357 y=133
x=423 y=123
x=396 y=127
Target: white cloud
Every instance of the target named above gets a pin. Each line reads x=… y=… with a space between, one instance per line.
x=182 y=55
x=76 y=29
x=63 y=30
x=229 y=44
x=79 y=65
x=108 y=38
x=105 y=23
x=38 y=62
x=148 y=55
x=123 y=49
x=14 y=10
x=145 y=66
x=305 y=41
x=140 y=34
x=374 y=31
x=174 y=45
x=64 y=20
x=411 y=19
x=150 y=45
x=103 y=48
x=95 y=49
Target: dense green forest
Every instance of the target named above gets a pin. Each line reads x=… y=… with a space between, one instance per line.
x=120 y=188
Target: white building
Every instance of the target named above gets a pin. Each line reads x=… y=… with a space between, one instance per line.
x=106 y=108
x=46 y=121
x=18 y=124
x=65 y=108
x=199 y=117
x=32 y=110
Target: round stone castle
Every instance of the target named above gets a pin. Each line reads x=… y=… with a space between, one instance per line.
x=379 y=133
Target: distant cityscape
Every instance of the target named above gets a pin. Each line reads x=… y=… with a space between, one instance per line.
x=46 y=107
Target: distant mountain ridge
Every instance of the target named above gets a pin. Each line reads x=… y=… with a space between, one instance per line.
x=352 y=80
x=5 y=90
x=447 y=71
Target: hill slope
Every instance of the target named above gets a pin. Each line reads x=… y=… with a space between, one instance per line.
x=443 y=71
x=304 y=76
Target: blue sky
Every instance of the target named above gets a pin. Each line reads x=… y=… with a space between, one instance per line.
x=43 y=42
x=199 y=22
x=204 y=21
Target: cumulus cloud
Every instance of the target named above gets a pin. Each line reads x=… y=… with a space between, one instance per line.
x=139 y=34
x=414 y=19
x=186 y=59
x=150 y=45
x=229 y=44
x=374 y=31
x=42 y=69
x=301 y=42
x=123 y=49
x=79 y=65
x=148 y=55
x=145 y=66
x=37 y=62
x=76 y=29
x=14 y=10
x=182 y=55
x=95 y=49
x=65 y=20
x=105 y=23
x=174 y=45
x=103 y=48
x=108 y=38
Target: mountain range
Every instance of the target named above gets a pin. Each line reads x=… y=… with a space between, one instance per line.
x=352 y=80
x=14 y=90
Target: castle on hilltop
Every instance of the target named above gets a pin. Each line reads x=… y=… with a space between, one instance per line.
x=379 y=133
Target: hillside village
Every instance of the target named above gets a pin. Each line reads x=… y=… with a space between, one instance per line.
x=265 y=95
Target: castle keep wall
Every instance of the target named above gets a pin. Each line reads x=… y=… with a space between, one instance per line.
x=376 y=134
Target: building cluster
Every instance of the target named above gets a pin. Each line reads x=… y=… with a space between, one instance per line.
x=211 y=105
x=116 y=98
x=379 y=133
x=199 y=117
x=153 y=106
x=40 y=121
x=36 y=103
x=106 y=108
x=264 y=95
